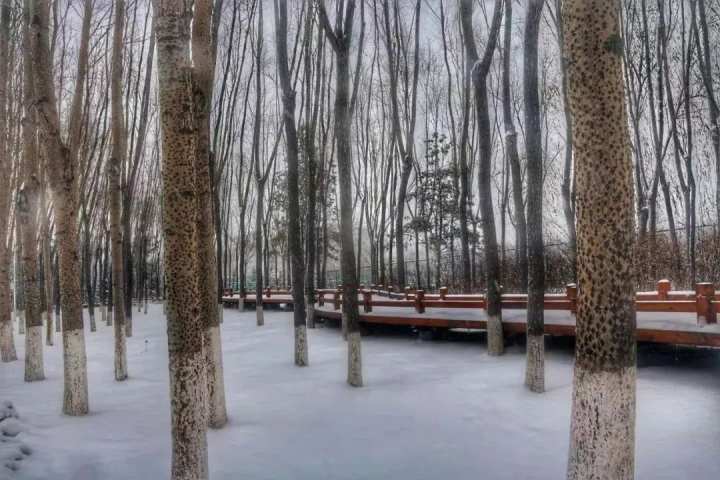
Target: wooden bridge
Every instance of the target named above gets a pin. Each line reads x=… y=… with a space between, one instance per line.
x=663 y=316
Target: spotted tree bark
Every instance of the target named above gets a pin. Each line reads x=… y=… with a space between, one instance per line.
x=602 y=438
x=203 y=56
x=27 y=203
x=7 y=342
x=62 y=158
x=188 y=383
x=117 y=156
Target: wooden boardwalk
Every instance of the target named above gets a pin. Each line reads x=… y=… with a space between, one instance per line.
x=658 y=327
x=663 y=316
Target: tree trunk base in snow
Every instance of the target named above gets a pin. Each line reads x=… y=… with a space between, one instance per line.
x=354 y=374
x=343 y=326
x=120 y=353
x=49 y=333
x=110 y=317
x=93 y=325
x=34 y=369
x=217 y=411
x=221 y=313
x=58 y=323
x=145 y=308
x=128 y=326
x=602 y=428
x=495 y=339
x=188 y=387
x=535 y=367
x=301 y=346
x=103 y=314
x=310 y=315
x=75 y=398
x=7 y=343
x=241 y=304
x=259 y=316
x=21 y=321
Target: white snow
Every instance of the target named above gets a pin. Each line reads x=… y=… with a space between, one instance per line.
x=428 y=410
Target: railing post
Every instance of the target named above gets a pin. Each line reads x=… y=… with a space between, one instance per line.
x=443 y=292
x=336 y=298
x=268 y=293
x=321 y=298
x=367 y=301
x=705 y=309
x=663 y=288
x=419 y=301
x=571 y=293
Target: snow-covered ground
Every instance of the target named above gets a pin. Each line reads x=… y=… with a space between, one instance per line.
x=429 y=410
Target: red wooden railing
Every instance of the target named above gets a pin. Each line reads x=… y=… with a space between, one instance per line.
x=703 y=301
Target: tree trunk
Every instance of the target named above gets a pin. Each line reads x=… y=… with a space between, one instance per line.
x=115 y=162
x=340 y=40
x=27 y=204
x=47 y=270
x=567 y=188
x=291 y=139
x=259 y=177
x=480 y=71
x=188 y=384
x=535 y=368
x=602 y=442
x=511 y=148
x=7 y=341
x=63 y=158
x=203 y=75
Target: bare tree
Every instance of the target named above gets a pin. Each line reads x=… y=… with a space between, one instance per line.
x=7 y=342
x=404 y=145
x=513 y=157
x=535 y=370
x=63 y=158
x=119 y=150
x=340 y=38
x=480 y=70
x=27 y=204
x=291 y=142
x=203 y=56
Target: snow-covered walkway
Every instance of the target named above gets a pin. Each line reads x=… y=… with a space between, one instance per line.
x=430 y=410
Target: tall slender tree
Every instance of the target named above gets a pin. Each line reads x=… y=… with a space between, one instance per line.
x=62 y=157
x=115 y=162
x=340 y=38
x=513 y=156
x=7 y=341
x=535 y=369
x=188 y=383
x=203 y=56
x=480 y=71
x=602 y=438
x=27 y=206
x=293 y=188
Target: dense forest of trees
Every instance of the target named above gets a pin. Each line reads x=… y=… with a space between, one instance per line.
x=176 y=149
